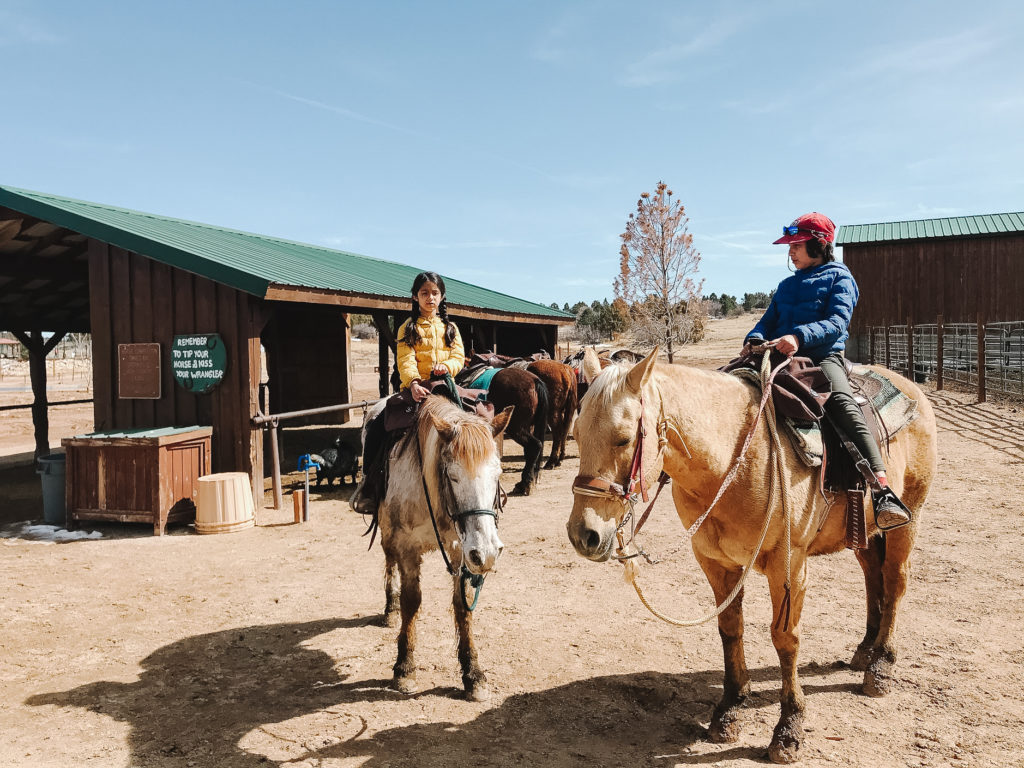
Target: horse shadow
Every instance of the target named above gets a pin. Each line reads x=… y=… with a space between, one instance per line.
x=225 y=699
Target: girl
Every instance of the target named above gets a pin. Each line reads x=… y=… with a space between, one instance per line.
x=811 y=312
x=429 y=346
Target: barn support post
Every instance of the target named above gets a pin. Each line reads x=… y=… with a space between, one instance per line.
x=981 y=358
x=37 y=352
x=910 y=349
x=276 y=466
x=386 y=342
x=939 y=350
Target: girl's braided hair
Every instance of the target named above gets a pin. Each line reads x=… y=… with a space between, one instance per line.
x=412 y=335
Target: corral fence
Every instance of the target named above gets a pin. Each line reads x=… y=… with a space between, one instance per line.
x=985 y=356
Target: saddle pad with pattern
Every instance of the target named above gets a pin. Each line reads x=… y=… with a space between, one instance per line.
x=894 y=408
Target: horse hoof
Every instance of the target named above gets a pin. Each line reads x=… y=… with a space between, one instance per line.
x=861 y=659
x=406 y=684
x=785 y=746
x=724 y=731
x=878 y=678
x=478 y=693
x=781 y=753
x=392 y=619
x=520 y=490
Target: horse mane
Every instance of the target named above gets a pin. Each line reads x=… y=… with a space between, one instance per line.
x=472 y=441
x=606 y=386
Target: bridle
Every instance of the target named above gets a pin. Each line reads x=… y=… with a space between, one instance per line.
x=626 y=493
x=476 y=580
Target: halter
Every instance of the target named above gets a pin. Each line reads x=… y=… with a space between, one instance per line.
x=476 y=580
x=626 y=494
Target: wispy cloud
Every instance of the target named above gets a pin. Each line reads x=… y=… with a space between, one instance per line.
x=663 y=65
x=554 y=42
x=15 y=28
x=932 y=212
x=940 y=54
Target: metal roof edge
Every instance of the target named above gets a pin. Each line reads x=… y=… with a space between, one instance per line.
x=176 y=257
x=946 y=228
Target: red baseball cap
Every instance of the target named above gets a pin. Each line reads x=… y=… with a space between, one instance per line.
x=806 y=227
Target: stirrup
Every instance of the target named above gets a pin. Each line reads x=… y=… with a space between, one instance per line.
x=890 y=512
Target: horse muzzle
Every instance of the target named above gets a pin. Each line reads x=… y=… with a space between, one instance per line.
x=481 y=545
x=591 y=536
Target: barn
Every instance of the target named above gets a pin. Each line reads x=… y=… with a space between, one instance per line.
x=147 y=287
x=966 y=269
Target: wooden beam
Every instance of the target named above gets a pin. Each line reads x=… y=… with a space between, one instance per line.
x=360 y=302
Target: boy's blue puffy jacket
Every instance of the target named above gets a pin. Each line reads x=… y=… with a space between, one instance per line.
x=815 y=305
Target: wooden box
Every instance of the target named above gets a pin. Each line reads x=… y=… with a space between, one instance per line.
x=136 y=475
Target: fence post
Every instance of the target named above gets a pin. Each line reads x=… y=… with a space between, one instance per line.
x=939 y=351
x=888 y=352
x=910 y=350
x=981 y=359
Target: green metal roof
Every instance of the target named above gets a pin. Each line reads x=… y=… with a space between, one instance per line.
x=247 y=261
x=925 y=229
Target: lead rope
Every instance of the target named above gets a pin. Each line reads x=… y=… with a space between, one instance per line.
x=631 y=570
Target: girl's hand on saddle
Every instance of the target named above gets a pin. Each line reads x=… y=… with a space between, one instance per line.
x=439 y=370
x=418 y=391
x=787 y=344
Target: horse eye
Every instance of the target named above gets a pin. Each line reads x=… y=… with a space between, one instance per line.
x=623 y=442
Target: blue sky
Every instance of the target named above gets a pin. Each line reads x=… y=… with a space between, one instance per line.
x=505 y=143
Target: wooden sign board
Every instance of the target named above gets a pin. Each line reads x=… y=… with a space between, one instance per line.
x=199 y=361
x=138 y=371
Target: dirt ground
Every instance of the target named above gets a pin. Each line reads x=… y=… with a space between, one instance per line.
x=264 y=647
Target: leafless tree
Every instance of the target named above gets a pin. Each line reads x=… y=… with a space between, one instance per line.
x=657 y=272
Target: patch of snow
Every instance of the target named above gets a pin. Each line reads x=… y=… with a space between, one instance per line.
x=47 y=533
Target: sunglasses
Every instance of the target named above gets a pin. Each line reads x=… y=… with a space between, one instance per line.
x=792 y=230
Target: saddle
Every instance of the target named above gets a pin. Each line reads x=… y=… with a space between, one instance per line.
x=816 y=440
x=400 y=410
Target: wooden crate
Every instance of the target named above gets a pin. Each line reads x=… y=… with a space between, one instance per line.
x=137 y=475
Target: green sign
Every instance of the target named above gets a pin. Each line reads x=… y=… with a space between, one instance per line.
x=198 y=361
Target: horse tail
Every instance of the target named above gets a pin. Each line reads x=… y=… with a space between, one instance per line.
x=540 y=418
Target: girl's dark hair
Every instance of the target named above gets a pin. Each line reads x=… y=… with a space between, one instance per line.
x=819 y=249
x=411 y=334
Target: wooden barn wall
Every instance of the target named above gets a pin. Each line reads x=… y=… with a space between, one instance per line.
x=308 y=357
x=922 y=279
x=510 y=338
x=134 y=299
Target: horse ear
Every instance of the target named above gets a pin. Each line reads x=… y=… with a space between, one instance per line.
x=501 y=420
x=591 y=365
x=641 y=372
x=444 y=429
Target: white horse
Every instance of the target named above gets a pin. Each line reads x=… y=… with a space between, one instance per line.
x=442 y=492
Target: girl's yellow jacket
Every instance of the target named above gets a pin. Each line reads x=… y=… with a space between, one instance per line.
x=418 y=361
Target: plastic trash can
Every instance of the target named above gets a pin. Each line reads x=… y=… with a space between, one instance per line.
x=51 y=469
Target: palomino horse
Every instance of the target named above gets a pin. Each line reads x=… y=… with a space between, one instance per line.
x=560 y=381
x=442 y=487
x=691 y=423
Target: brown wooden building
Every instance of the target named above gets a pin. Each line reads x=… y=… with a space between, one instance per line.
x=914 y=271
x=130 y=278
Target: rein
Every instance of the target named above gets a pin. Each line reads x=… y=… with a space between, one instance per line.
x=599 y=487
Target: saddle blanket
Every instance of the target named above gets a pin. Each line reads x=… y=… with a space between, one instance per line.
x=482 y=380
x=894 y=409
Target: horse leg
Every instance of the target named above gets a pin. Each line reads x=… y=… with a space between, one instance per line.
x=559 y=429
x=725 y=719
x=392 y=581
x=878 y=677
x=870 y=560
x=410 y=599
x=474 y=681
x=532 y=459
x=785 y=744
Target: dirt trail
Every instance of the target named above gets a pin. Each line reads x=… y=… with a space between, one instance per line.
x=263 y=648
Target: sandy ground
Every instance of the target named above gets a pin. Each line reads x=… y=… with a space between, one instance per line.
x=264 y=647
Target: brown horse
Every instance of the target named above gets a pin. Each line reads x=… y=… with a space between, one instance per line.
x=527 y=394
x=691 y=424
x=442 y=486
x=560 y=381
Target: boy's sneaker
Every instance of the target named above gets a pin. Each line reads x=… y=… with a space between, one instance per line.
x=889 y=512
